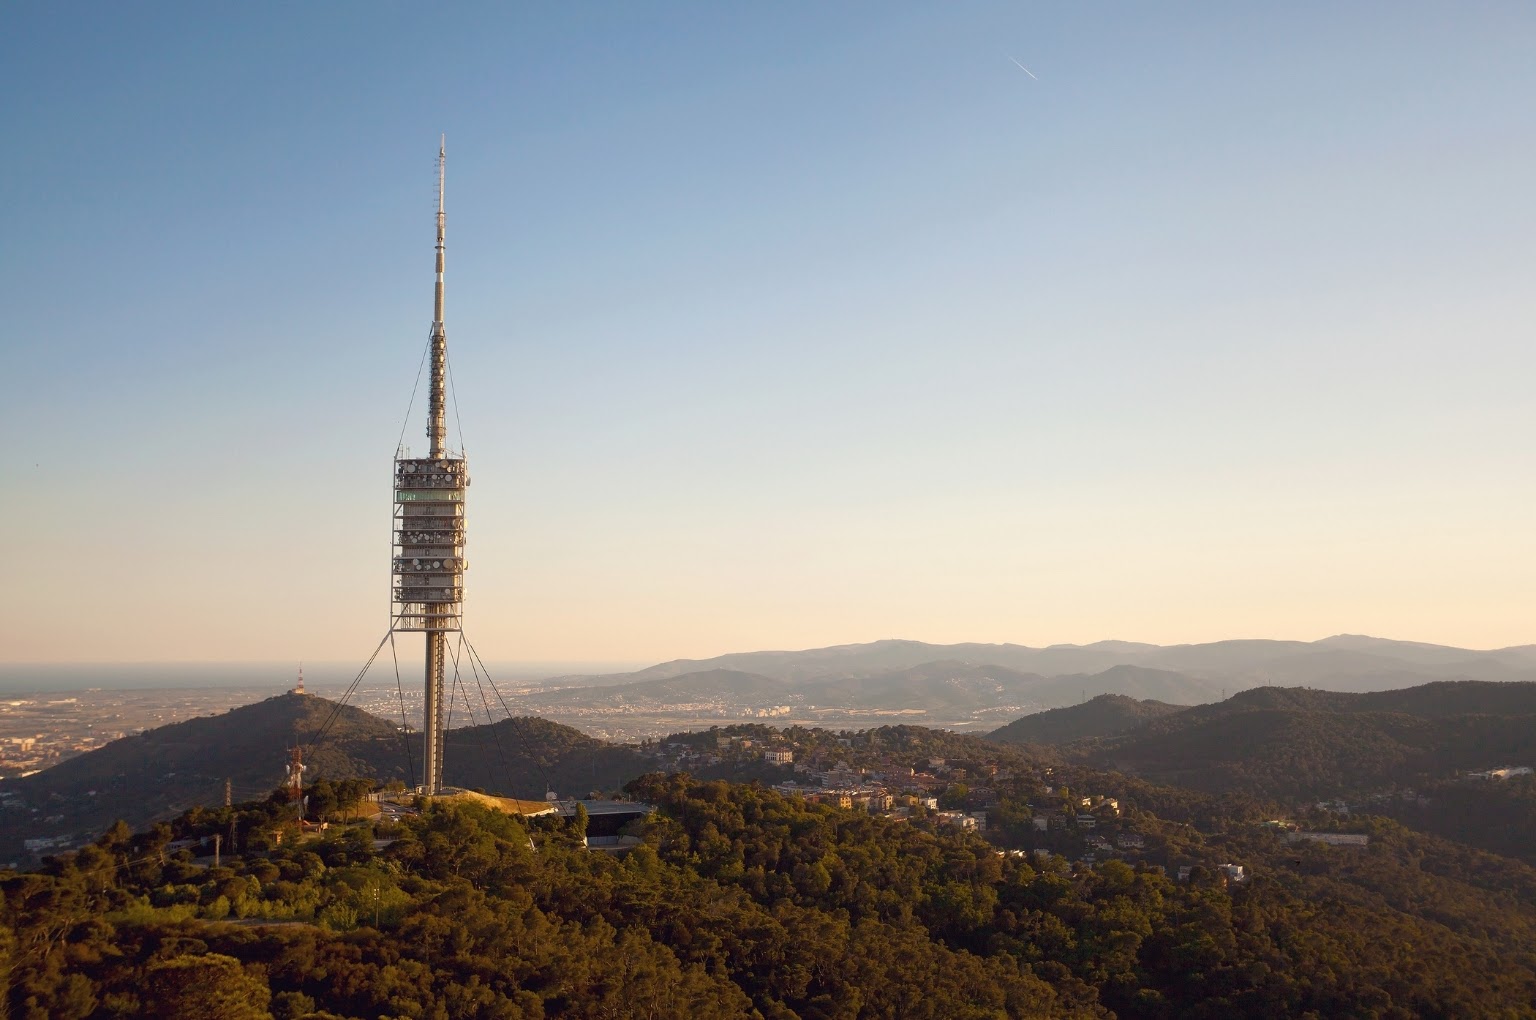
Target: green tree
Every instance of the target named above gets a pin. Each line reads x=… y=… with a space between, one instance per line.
x=116 y=837
x=201 y=987
x=74 y=999
x=954 y=798
x=7 y=965
x=323 y=800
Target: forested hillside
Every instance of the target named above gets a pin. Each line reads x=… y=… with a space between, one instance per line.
x=1496 y=815
x=1297 y=743
x=1103 y=716
x=743 y=903
x=524 y=757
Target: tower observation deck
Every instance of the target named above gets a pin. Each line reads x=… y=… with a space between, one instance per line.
x=428 y=562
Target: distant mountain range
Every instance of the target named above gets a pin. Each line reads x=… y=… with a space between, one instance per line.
x=946 y=690
x=950 y=683
x=1343 y=661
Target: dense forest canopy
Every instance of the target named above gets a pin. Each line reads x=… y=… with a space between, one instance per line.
x=1299 y=744
x=742 y=902
x=1102 y=716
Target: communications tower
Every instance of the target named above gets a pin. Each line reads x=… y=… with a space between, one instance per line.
x=428 y=566
x=296 y=769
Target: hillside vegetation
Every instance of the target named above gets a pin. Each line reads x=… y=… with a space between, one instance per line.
x=1103 y=716
x=1299 y=743
x=743 y=903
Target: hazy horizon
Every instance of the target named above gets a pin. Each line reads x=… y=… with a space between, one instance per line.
x=18 y=677
x=771 y=326
x=182 y=673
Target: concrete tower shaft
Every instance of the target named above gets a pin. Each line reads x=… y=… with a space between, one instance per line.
x=434 y=732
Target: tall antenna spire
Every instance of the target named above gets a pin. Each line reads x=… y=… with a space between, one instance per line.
x=437 y=429
x=442 y=161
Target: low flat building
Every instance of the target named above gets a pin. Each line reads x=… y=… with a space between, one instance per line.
x=959 y=819
x=606 y=819
x=1507 y=772
x=1330 y=838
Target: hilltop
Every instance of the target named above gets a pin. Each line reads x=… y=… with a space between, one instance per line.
x=525 y=757
x=1103 y=716
x=169 y=769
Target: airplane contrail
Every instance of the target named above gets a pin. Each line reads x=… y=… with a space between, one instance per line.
x=1026 y=70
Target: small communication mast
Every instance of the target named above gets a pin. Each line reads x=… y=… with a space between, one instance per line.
x=298 y=688
x=296 y=769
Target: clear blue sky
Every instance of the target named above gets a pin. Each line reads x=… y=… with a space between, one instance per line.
x=774 y=325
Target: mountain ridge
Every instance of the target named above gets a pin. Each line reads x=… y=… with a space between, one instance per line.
x=1349 y=661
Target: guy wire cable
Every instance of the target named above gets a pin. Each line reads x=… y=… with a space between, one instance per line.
x=516 y=723
x=405 y=728
x=345 y=697
x=506 y=768
x=414 y=387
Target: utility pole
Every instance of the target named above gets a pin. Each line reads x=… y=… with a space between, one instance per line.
x=229 y=802
x=216 y=840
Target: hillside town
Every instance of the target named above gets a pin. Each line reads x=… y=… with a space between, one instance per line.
x=1023 y=812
